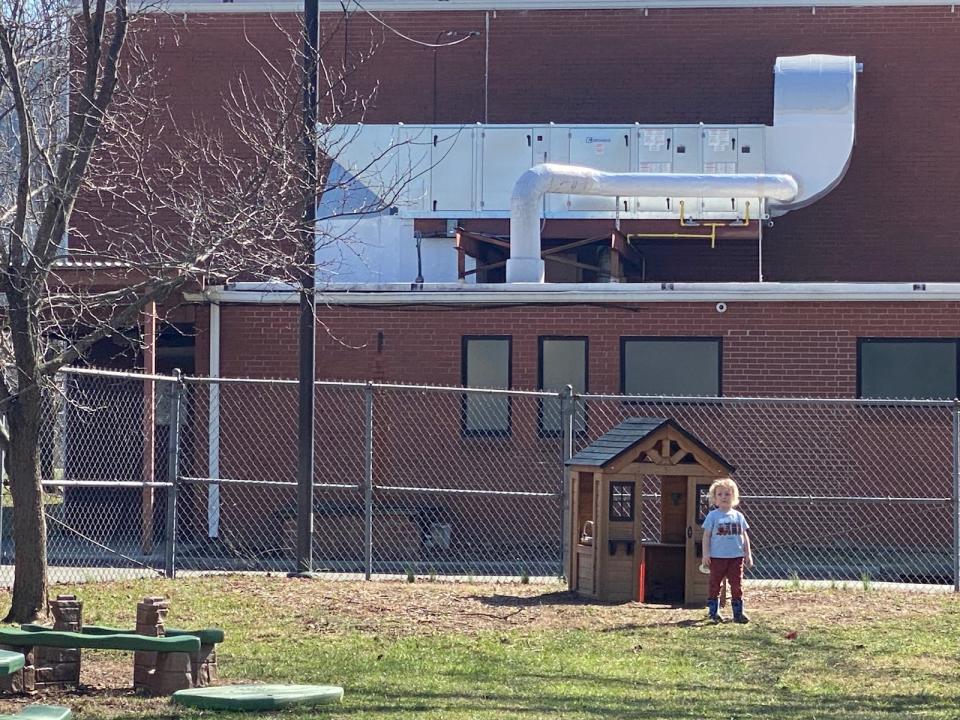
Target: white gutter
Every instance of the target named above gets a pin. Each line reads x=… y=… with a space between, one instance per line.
x=213 y=425
x=525 y=264
x=571 y=293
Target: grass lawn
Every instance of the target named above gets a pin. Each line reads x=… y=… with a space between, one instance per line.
x=458 y=651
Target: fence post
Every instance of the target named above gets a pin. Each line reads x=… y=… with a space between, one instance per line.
x=956 y=496
x=568 y=406
x=173 y=476
x=368 y=482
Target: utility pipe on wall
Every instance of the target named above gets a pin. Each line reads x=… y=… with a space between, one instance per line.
x=213 y=426
x=525 y=263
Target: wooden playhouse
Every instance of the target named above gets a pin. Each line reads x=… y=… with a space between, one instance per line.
x=610 y=559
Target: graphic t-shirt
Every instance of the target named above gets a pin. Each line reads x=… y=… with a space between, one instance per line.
x=726 y=530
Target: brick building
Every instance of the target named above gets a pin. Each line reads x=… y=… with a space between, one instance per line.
x=871 y=260
x=856 y=293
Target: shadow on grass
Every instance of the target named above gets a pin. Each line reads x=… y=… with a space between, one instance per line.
x=686 y=702
x=551 y=598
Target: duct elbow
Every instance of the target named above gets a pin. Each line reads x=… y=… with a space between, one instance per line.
x=813 y=124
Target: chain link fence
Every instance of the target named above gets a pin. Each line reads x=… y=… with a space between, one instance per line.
x=162 y=475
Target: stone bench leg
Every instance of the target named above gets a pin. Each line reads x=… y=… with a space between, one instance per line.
x=60 y=667
x=151 y=615
x=46 y=666
x=57 y=667
x=173 y=672
x=204 y=667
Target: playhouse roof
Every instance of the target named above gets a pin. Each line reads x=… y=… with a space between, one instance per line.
x=615 y=442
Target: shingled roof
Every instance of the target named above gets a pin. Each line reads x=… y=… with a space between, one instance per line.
x=613 y=443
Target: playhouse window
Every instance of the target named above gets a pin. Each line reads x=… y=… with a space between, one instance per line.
x=621 y=501
x=670 y=366
x=563 y=361
x=486 y=364
x=912 y=369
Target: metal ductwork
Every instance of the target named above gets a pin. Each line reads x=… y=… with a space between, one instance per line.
x=525 y=265
x=808 y=151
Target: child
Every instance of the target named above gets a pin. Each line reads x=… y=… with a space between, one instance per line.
x=726 y=547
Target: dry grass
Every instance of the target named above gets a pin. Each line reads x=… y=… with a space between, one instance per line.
x=262 y=615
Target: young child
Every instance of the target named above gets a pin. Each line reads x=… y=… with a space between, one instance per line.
x=726 y=547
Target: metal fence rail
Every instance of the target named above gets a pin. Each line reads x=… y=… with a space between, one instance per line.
x=158 y=475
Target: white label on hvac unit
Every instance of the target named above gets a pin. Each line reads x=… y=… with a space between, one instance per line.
x=719 y=205
x=719 y=140
x=720 y=168
x=653 y=204
x=654 y=140
x=654 y=167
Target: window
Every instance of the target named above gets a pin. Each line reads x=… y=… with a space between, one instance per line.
x=913 y=369
x=563 y=361
x=621 y=501
x=670 y=366
x=486 y=364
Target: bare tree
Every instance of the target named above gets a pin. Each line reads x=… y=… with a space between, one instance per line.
x=161 y=207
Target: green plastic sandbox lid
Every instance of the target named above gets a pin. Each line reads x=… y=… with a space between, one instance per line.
x=257 y=697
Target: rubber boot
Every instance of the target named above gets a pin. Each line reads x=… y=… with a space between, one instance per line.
x=713 y=608
x=738 y=615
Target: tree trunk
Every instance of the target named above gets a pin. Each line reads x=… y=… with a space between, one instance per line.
x=29 y=524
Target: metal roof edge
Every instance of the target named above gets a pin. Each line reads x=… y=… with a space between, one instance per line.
x=279 y=6
x=566 y=293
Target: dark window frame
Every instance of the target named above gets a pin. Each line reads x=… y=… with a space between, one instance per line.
x=624 y=339
x=632 y=484
x=886 y=340
x=464 y=430
x=541 y=430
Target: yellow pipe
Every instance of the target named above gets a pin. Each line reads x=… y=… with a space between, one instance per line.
x=692 y=236
x=746 y=218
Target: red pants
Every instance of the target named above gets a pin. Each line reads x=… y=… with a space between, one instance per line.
x=732 y=570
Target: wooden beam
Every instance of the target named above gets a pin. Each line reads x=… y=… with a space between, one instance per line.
x=618 y=242
x=461 y=256
x=572 y=263
x=651 y=469
x=572 y=245
x=699 y=455
x=629 y=457
x=496 y=242
x=467 y=243
x=489 y=266
x=655 y=457
x=616 y=267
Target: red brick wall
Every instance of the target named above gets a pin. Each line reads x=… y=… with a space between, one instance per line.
x=806 y=349
x=768 y=348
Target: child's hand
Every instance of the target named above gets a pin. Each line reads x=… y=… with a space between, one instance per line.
x=705 y=561
x=748 y=562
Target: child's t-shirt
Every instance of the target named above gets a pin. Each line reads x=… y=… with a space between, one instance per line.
x=726 y=532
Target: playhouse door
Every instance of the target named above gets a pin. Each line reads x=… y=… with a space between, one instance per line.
x=695 y=587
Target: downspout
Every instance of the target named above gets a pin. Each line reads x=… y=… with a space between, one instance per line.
x=213 y=425
x=525 y=263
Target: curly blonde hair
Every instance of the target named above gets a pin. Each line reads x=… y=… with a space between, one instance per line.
x=727 y=483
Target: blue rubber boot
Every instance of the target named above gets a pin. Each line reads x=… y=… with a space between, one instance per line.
x=713 y=607
x=738 y=616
